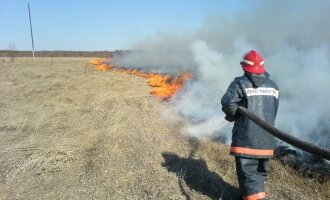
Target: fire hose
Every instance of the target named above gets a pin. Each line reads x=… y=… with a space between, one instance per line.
x=303 y=145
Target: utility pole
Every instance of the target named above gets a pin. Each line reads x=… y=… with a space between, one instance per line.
x=31 y=32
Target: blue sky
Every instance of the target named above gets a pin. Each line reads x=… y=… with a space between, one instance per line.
x=101 y=24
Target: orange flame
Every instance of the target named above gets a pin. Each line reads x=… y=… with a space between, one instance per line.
x=164 y=86
x=99 y=64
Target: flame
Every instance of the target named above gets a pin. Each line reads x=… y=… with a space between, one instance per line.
x=99 y=64
x=164 y=86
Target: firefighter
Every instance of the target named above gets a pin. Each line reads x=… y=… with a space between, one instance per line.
x=251 y=145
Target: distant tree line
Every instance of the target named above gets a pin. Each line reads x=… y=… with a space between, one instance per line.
x=105 y=54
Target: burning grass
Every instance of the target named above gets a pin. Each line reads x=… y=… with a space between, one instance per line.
x=164 y=86
x=67 y=134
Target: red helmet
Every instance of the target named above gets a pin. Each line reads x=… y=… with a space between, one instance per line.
x=253 y=62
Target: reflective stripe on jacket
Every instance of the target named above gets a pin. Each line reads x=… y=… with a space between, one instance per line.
x=259 y=94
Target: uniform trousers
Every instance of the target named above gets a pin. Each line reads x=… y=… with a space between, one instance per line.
x=251 y=174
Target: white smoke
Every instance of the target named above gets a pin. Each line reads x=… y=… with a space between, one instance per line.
x=165 y=54
x=293 y=37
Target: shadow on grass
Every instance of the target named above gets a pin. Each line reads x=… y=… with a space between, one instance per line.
x=195 y=173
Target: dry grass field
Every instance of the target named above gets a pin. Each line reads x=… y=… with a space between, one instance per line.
x=68 y=131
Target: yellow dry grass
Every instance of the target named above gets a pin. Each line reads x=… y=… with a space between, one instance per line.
x=70 y=132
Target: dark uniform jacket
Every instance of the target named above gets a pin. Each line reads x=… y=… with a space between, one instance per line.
x=259 y=94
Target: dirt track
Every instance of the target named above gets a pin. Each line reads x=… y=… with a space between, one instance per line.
x=70 y=132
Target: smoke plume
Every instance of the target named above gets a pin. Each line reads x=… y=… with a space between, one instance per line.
x=293 y=37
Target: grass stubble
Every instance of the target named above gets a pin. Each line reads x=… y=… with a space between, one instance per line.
x=68 y=131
